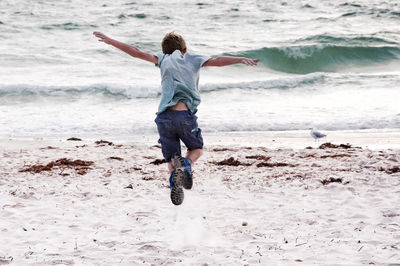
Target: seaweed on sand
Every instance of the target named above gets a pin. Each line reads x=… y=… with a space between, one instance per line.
x=231 y=162
x=79 y=166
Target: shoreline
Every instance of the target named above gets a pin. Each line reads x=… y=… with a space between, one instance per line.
x=296 y=139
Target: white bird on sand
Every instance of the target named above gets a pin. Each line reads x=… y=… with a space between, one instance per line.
x=316 y=135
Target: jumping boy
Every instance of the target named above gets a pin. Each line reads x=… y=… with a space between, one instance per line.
x=176 y=119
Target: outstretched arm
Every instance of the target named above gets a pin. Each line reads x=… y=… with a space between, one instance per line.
x=131 y=50
x=229 y=60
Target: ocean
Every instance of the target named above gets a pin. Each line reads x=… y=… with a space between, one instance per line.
x=330 y=65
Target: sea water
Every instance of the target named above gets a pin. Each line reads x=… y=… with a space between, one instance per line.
x=331 y=65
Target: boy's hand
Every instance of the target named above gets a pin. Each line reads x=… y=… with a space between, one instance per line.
x=102 y=37
x=250 y=61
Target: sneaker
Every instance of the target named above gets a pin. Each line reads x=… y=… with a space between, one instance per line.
x=183 y=164
x=171 y=181
x=175 y=183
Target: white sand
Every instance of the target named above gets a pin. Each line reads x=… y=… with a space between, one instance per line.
x=292 y=218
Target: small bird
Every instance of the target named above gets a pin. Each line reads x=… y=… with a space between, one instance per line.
x=316 y=135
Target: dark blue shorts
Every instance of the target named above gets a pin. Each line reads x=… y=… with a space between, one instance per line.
x=174 y=126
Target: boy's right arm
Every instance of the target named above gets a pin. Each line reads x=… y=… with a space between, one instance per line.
x=131 y=50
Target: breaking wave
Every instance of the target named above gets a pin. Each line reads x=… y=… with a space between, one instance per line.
x=325 y=56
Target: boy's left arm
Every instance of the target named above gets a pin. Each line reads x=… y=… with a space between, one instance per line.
x=230 y=60
x=129 y=49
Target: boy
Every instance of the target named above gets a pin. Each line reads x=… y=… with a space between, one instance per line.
x=176 y=118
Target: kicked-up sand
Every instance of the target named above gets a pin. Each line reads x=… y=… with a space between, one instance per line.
x=261 y=198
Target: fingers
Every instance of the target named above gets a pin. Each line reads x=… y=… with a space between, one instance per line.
x=254 y=61
x=99 y=35
x=250 y=62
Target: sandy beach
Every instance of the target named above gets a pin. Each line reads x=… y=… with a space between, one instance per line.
x=82 y=177
x=255 y=200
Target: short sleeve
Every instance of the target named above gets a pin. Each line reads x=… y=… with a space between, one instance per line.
x=199 y=60
x=160 y=58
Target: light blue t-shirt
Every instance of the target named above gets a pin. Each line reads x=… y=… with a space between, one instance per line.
x=180 y=79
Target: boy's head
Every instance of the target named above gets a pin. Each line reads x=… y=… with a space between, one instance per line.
x=172 y=42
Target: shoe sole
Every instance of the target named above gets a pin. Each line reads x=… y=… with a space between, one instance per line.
x=177 y=195
x=179 y=164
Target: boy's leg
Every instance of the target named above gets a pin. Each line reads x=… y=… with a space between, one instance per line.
x=191 y=136
x=170 y=167
x=170 y=145
x=169 y=139
x=184 y=166
x=194 y=155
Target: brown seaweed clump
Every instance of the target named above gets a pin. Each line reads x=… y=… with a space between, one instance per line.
x=81 y=167
x=231 y=162
x=395 y=169
x=115 y=158
x=259 y=157
x=158 y=161
x=331 y=180
x=221 y=149
x=329 y=145
x=74 y=139
x=266 y=164
x=103 y=142
x=335 y=156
